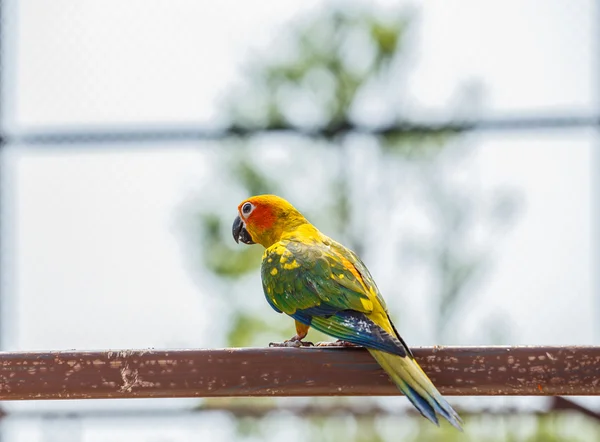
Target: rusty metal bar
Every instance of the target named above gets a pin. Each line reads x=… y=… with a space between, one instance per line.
x=292 y=372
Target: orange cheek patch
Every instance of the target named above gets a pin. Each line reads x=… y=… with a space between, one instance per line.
x=263 y=218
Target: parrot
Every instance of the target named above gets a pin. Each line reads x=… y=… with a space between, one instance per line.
x=322 y=284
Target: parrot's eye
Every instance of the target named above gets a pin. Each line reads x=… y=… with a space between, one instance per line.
x=247 y=208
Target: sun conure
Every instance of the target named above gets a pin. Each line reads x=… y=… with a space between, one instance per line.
x=322 y=284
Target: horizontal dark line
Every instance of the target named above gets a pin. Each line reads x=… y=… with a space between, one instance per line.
x=261 y=410
x=110 y=134
x=253 y=411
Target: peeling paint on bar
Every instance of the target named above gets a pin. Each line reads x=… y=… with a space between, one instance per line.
x=292 y=372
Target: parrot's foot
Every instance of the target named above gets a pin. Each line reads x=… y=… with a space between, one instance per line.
x=291 y=343
x=338 y=343
x=294 y=341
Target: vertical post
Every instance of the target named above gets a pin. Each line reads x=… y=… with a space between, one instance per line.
x=595 y=178
x=2 y=165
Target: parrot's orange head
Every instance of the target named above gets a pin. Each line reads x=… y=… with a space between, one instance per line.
x=263 y=219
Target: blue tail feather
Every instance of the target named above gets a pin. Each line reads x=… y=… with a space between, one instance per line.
x=420 y=403
x=437 y=402
x=445 y=410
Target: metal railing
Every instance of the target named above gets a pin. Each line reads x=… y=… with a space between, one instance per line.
x=473 y=371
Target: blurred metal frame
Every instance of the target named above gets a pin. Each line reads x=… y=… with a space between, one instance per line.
x=2 y=165
x=110 y=135
x=261 y=410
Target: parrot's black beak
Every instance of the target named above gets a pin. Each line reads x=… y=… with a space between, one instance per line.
x=240 y=233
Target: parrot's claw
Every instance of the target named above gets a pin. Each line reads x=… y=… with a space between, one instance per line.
x=338 y=343
x=291 y=343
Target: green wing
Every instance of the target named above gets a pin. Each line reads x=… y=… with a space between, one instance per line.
x=325 y=286
x=299 y=276
x=361 y=268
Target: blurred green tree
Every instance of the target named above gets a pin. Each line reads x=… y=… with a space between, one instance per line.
x=335 y=70
x=319 y=77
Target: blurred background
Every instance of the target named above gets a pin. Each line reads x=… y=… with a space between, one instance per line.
x=453 y=144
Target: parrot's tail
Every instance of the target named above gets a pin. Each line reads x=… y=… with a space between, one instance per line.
x=414 y=383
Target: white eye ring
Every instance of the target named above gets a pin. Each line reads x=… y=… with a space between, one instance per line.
x=247 y=209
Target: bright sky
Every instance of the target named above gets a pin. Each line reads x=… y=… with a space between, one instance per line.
x=94 y=258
